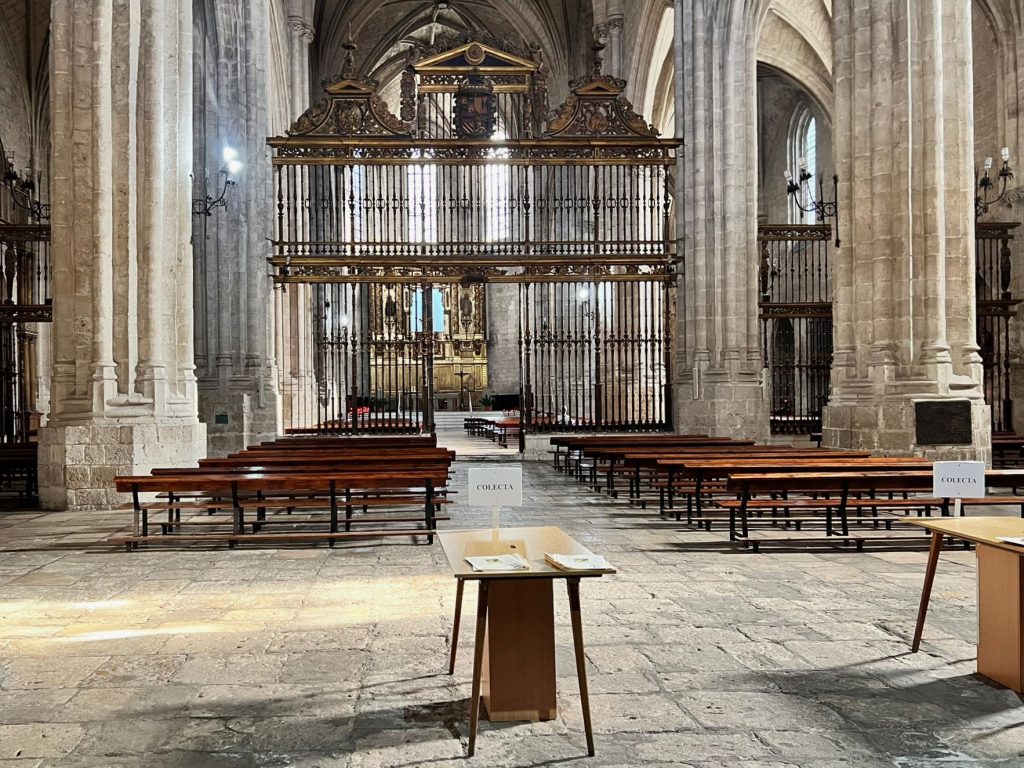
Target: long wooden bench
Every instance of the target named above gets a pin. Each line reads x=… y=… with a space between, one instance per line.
x=633 y=463
x=580 y=450
x=703 y=471
x=837 y=493
x=265 y=491
x=369 y=442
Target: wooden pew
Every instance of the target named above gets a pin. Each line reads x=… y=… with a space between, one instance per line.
x=631 y=461
x=374 y=442
x=842 y=489
x=574 y=442
x=263 y=490
x=702 y=471
x=583 y=448
x=663 y=479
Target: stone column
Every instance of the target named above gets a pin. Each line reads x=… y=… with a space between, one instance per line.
x=297 y=374
x=238 y=397
x=718 y=360
x=904 y=304
x=123 y=393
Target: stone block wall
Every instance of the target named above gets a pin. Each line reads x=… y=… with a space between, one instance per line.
x=78 y=464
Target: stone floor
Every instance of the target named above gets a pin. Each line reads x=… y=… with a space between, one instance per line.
x=698 y=655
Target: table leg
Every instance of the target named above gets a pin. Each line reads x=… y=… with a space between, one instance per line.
x=478 y=663
x=459 y=585
x=926 y=590
x=573 y=585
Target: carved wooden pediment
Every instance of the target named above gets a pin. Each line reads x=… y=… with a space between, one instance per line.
x=475 y=57
x=351 y=108
x=596 y=108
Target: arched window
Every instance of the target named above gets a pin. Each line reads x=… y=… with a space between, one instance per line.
x=803 y=156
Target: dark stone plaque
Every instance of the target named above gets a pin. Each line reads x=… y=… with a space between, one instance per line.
x=943 y=422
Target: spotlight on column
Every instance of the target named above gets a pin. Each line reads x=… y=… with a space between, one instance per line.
x=204 y=206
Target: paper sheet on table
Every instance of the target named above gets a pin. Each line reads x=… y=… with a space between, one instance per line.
x=499 y=563
x=578 y=562
x=1018 y=540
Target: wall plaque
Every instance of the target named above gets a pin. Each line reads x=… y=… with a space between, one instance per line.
x=943 y=422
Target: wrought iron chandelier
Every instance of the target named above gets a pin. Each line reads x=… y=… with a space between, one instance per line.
x=985 y=183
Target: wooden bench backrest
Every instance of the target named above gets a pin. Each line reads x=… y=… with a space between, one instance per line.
x=718 y=450
x=565 y=440
x=724 y=467
x=220 y=482
x=309 y=467
x=860 y=481
x=299 y=457
x=359 y=443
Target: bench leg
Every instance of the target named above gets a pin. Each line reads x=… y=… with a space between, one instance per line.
x=478 y=664
x=926 y=590
x=459 y=586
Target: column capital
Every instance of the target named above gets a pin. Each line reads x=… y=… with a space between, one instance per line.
x=301 y=28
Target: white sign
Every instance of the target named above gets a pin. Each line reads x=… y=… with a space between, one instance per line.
x=958 y=479
x=497 y=487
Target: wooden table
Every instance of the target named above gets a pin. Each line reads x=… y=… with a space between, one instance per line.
x=1000 y=592
x=514 y=655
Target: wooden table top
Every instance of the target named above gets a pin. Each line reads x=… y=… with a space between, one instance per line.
x=980 y=530
x=531 y=543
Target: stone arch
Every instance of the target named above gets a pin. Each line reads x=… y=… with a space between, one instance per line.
x=797 y=41
x=651 y=76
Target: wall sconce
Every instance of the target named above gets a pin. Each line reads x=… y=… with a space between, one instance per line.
x=22 y=189
x=204 y=206
x=823 y=209
x=585 y=310
x=985 y=183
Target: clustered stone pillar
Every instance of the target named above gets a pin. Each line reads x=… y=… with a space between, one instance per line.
x=904 y=304
x=123 y=394
x=718 y=362
x=238 y=397
x=295 y=355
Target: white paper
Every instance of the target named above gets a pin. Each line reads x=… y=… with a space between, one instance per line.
x=580 y=562
x=1018 y=540
x=498 y=563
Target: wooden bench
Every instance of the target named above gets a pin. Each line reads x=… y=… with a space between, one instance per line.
x=367 y=442
x=337 y=491
x=573 y=443
x=702 y=471
x=840 y=492
x=1007 y=450
x=633 y=462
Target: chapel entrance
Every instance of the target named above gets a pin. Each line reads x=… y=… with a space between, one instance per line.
x=475 y=250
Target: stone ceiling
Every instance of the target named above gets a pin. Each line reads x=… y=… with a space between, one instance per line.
x=385 y=29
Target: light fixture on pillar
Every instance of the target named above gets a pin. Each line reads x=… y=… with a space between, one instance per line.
x=204 y=206
x=822 y=209
x=982 y=200
x=22 y=189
